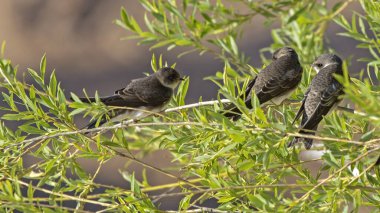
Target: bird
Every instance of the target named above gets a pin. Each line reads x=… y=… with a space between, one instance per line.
x=145 y=95
x=274 y=83
x=322 y=96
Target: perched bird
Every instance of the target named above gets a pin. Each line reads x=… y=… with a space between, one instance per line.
x=321 y=97
x=149 y=94
x=274 y=83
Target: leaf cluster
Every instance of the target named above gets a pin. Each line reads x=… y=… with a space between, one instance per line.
x=243 y=165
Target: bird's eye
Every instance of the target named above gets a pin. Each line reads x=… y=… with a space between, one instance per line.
x=319 y=65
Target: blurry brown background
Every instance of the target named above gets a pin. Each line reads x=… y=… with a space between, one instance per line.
x=83 y=44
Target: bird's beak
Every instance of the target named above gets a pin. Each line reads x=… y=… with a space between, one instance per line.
x=182 y=78
x=315 y=67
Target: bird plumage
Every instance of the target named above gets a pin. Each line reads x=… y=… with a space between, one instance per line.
x=150 y=93
x=274 y=83
x=321 y=97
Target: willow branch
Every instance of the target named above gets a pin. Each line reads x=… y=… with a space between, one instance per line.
x=194 y=105
x=19 y=203
x=63 y=195
x=153 y=167
x=249 y=187
x=335 y=174
x=127 y=123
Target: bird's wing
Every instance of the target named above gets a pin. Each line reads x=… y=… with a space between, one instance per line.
x=302 y=108
x=125 y=97
x=277 y=85
x=328 y=99
x=249 y=88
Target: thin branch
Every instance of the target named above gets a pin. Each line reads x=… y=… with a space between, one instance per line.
x=179 y=179
x=362 y=173
x=152 y=167
x=200 y=209
x=335 y=174
x=10 y=203
x=250 y=187
x=194 y=105
x=326 y=138
x=129 y=123
x=195 y=180
x=62 y=194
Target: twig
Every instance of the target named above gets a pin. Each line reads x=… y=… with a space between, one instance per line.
x=63 y=195
x=362 y=173
x=129 y=122
x=9 y=203
x=326 y=138
x=116 y=126
x=334 y=174
x=152 y=167
x=195 y=180
x=249 y=187
x=200 y=209
x=311 y=136
x=205 y=103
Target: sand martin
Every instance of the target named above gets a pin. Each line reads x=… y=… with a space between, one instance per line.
x=144 y=95
x=274 y=83
x=321 y=97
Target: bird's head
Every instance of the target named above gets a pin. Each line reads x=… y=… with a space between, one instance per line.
x=169 y=77
x=284 y=51
x=327 y=60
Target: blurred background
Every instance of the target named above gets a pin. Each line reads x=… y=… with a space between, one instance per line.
x=84 y=46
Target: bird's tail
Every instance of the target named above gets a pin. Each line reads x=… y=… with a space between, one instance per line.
x=293 y=142
x=307 y=142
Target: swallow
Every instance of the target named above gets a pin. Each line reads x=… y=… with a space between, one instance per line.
x=274 y=83
x=141 y=96
x=322 y=96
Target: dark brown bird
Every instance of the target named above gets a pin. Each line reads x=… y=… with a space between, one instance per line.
x=274 y=83
x=149 y=94
x=321 y=97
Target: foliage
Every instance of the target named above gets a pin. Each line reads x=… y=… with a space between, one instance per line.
x=243 y=165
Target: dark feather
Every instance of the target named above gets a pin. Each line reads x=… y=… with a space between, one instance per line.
x=275 y=87
x=302 y=108
x=328 y=99
x=276 y=79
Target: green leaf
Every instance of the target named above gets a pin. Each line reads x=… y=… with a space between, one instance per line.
x=297 y=13
x=31 y=129
x=185 y=202
x=43 y=66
